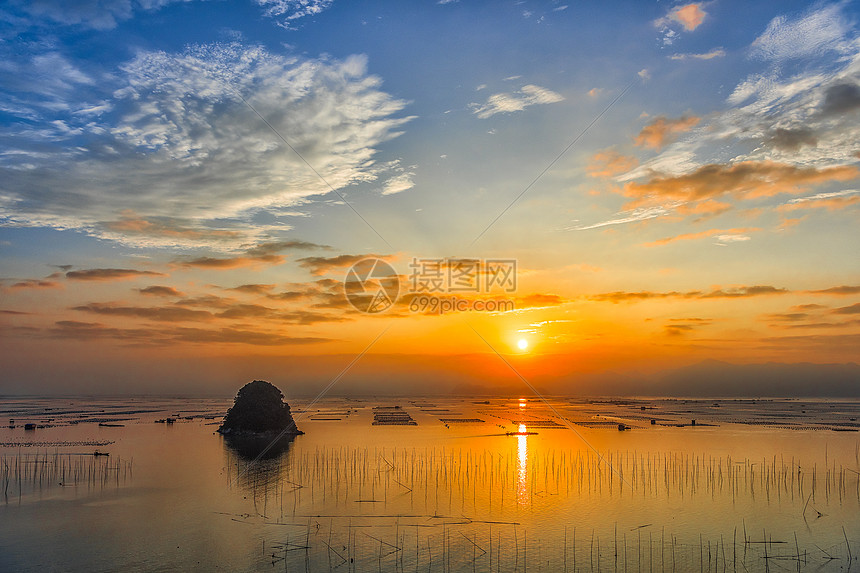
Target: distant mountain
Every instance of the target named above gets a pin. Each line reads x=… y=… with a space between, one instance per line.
x=714 y=378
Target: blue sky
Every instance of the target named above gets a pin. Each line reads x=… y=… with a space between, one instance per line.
x=670 y=148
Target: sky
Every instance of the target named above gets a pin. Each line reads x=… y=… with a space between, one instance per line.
x=633 y=187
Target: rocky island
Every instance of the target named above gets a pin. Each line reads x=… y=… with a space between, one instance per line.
x=259 y=410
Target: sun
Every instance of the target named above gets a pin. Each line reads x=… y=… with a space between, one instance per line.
x=522 y=344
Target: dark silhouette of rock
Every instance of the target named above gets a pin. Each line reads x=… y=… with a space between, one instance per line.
x=259 y=410
x=258 y=448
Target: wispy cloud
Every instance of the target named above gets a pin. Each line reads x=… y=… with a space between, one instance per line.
x=715 y=53
x=100 y=15
x=821 y=29
x=633 y=216
x=183 y=141
x=287 y=12
x=832 y=200
x=527 y=96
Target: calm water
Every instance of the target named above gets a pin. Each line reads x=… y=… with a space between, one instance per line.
x=752 y=486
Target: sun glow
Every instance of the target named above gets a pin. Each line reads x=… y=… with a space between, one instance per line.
x=522 y=344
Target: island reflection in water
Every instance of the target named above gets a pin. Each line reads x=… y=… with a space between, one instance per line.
x=257 y=463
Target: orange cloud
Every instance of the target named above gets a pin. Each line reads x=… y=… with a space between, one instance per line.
x=682 y=326
x=706 y=209
x=745 y=179
x=539 y=299
x=160 y=314
x=853 y=309
x=253 y=289
x=109 y=274
x=840 y=290
x=736 y=292
x=35 y=283
x=131 y=224
x=689 y=16
x=608 y=162
x=258 y=255
x=231 y=262
x=700 y=235
x=788 y=223
x=274 y=247
x=322 y=265
x=157 y=290
x=76 y=330
x=664 y=130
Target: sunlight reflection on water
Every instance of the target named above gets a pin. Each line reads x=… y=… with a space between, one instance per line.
x=522 y=466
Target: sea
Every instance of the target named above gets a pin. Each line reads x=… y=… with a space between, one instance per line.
x=447 y=484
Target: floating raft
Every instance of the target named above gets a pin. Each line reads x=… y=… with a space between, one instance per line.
x=392 y=416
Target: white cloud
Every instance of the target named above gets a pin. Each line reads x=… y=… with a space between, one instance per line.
x=528 y=95
x=715 y=53
x=678 y=159
x=814 y=33
x=723 y=240
x=181 y=144
x=288 y=11
x=398 y=183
